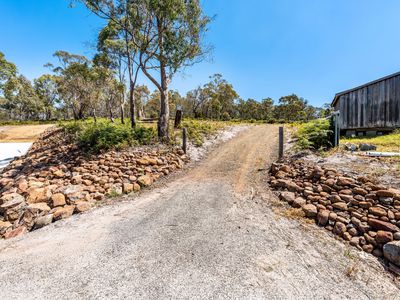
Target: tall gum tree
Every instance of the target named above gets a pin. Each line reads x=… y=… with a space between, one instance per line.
x=166 y=35
x=172 y=40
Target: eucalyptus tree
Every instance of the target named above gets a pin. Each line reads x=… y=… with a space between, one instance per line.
x=161 y=36
x=46 y=89
x=8 y=70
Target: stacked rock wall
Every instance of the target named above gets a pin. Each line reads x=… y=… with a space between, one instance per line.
x=55 y=180
x=365 y=214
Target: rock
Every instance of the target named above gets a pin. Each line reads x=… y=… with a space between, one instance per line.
x=299 y=202
x=386 y=200
x=382 y=225
x=41 y=207
x=360 y=191
x=377 y=252
x=36 y=194
x=340 y=205
x=23 y=185
x=59 y=174
x=127 y=188
x=43 y=221
x=367 y=147
x=63 y=212
x=16 y=232
x=368 y=248
x=82 y=206
x=73 y=193
x=136 y=187
x=145 y=180
x=391 y=251
x=344 y=181
x=323 y=217
x=4 y=226
x=288 y=197
x=396 y=235
x=377 y=211
x=10 y=200
x=383 y=236
x=350 y=147
x=310 y=210
x=339 y=228
x=355 y=241
x=387 y=193
x=57 y=200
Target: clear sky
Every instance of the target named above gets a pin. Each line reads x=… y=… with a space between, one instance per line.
x=265 y=48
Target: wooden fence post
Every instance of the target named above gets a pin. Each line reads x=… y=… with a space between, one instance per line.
x=184 y=140
x=280 y=142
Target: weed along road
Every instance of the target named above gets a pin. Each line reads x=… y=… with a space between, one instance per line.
x=215 y=231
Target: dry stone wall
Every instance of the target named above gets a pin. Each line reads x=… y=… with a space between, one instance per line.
x=55 y=179
x=362 y=212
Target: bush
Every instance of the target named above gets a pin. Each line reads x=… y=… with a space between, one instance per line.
x=105 y=135
x=145 y=135
x=314 y=135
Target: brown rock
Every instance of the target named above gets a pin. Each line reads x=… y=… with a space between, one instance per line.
x=382 y=225
x=82 y=206
x=145 y=180
x=368 y=248
x=377 y=211
x=4 y=226
x=127 y=188
x=360 y=191
x=310 y=210
x=323 y=217
x=299 y=202
x=383 y=236
x=288 y=197
x=40 y=206
x=344 y=181
x=339 y=228
x=340 y=205
x=40 y=194
x=57 y=200
x=43 y=221
x=63 y=212
x=16 y=232
x=391 y=251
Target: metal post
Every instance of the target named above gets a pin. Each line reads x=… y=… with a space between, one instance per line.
x=280 y=142
x=184 y=140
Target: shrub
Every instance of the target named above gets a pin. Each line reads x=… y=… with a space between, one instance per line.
x=145 y=135
x=105 y=135
x=314 y=135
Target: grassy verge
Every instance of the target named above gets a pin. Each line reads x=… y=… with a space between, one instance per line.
x=389 y=142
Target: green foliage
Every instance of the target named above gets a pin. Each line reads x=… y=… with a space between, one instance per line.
x=314 y=135
x=104 y=135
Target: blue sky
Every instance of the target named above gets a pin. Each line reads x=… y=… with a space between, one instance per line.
x=264 y=48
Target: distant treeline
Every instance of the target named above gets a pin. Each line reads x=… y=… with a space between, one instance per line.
x=80 y=88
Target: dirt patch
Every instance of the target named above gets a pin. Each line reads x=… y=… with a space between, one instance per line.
x=196 y=153
x=22 y=133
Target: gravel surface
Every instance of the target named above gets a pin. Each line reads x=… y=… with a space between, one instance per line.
x=213 y=232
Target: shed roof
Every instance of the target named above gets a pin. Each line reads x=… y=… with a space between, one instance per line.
x=362 y=86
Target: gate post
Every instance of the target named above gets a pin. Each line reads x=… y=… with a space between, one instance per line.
x=280 y=142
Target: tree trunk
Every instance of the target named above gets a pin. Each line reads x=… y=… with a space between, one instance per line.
x=122 y=114
x=132 y=105
x=163 y=120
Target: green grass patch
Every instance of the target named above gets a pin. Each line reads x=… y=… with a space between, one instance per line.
x=389 y=142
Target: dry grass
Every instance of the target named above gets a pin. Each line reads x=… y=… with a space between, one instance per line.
x=21 y=133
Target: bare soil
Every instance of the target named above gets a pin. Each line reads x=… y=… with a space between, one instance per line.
x=214 y=231
x=21 y=133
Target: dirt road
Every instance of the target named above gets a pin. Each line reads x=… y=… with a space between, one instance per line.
x=214 y=232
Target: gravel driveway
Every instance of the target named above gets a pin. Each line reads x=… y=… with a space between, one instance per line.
x=214 y=232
